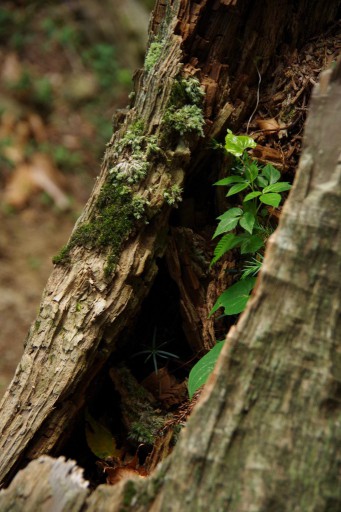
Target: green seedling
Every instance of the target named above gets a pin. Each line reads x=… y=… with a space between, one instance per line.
x=154 y=351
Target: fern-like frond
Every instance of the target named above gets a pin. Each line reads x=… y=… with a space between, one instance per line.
x=226 y=243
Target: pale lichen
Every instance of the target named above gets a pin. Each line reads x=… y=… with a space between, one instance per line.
x=185 y=119
x=173 y=195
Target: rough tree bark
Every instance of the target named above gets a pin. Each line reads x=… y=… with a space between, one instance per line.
x=279 y=383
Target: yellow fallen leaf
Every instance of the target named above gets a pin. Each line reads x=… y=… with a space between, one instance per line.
x=100 y=440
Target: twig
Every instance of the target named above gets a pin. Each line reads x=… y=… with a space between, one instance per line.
x=257 y=102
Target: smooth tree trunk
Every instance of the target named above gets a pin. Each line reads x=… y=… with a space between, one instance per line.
x=265 y=433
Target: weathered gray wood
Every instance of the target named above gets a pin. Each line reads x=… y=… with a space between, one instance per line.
x=49 y=484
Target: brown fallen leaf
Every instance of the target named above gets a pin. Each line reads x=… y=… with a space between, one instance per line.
x=120 y=469
x=29 y=178
x=37 y=126
x=20 y=187
x=165 y=388
x=270 y=126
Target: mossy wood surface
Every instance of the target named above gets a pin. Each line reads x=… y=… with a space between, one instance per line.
x=99 y=283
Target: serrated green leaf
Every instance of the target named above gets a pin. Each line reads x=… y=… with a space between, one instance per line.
x=247 y=221
x=261 y=181
x=251 y=244
x=251 y=172
x=203 y=368
x=251 y=195
x=226 y=243
x=228 y=221
x=235 y=298
x=231 y=212
x=229 y=180
x=281 y=186
x=250 y=206
x=237 y=188
x=236 y=144
x=271 y=174
x=271 y=199
x=99 y=439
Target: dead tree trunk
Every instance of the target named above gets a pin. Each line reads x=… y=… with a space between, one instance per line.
x=266 y=434
x=106 y=270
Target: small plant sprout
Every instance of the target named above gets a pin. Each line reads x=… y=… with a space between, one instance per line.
x=252 y=267
x=154 y=351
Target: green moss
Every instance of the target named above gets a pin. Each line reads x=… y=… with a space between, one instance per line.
x=153 y=55
x=133 y=138
x=186 y=119
x=146 y=429
x=62 y=256
x=140 y=433
x=129 y=493
x=186 y=91
x=173 y=195
x=135 y=165
x=112 y=222
x=117 y=209
x=184 y=113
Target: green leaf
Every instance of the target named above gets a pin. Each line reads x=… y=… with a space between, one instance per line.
x=228 y=221
x=282 y=186
x=203 y=369
x=271 y=199
x=226 y=243
x=235 y=298
x=247 y=222
x=251 y=244
x=251 y=172
x=271 y=174
x=251 y=195
x=231 y=212
x=229 y=180
x=262 y=182
x=237 y=188
x=236 y=144
x=250 y=206
x=99 y=439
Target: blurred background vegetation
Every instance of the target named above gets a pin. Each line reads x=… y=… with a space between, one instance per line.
x=65 y=67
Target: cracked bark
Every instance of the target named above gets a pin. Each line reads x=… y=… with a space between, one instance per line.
x=282 y=371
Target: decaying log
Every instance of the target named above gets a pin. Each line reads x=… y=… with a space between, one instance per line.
x=50 y=484
x=265 y=435
x=88 y=301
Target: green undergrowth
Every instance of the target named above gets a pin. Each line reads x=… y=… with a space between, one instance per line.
x=244 y=227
